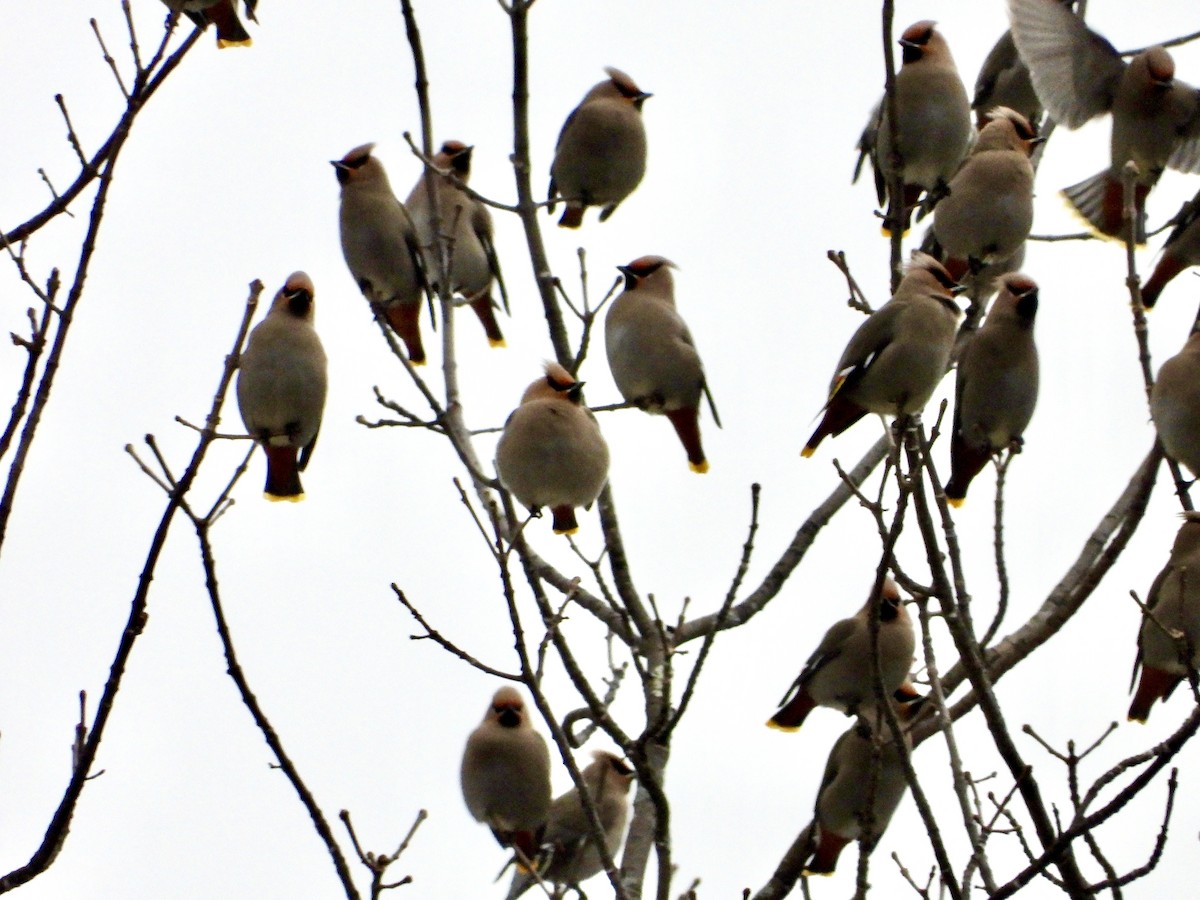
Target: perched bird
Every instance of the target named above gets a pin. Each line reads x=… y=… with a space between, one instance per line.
x=601 y=152
x=551 y=452
x=1181 y=251
x=652 y=356
x=988 y=212
x=1174 y=604
x=1175 y=405
x=896 y=358
x=933 y=123
x=380 y=245
x=1078 y=75
x=1003 y=80
x=839 y=673
x=220 y=13
x=281 y=386
x=997 y=385
x=505 y=774
x=467 y=228
x=572 y=855
x=855 y=775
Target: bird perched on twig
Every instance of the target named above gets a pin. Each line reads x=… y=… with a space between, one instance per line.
x=551 y=452
x=897 y=357
x=220 y=13
x=652 y=355
x=839 y=673
x=997 y=385
x=1181 y=251
x=466 y=226
x=1078 y=75
x=379 y=242
x=1175 y=405
x=281 y=386
x=933 y=124
x=1169 y=639
x=505 y=774
x=600 y=156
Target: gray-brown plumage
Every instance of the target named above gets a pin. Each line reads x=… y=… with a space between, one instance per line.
x=988 y=212
x=222 y=15
x=897 y=357
x=571 y=854
x=652 y=356
x=1175 y=405
x=1003 y=80
x=1078 y=75
x=933 y=122
x=855 y=775
x=380 y=245
x=839 y=673
x=1174 y=604
x=1181 y=251
x=997 y=385
x=466 y=226
x=505 y=774
x=281 y=386
x=551 y=452
x=600 y=156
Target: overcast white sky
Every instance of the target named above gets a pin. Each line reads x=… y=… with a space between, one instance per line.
x=756 y=110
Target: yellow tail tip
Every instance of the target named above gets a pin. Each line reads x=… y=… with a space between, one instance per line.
x=956 y=502
x=887 y=232
x=1135 y=719
x=787 y=729
x=699 y=468
x=222 y=44
x=280 y=498
x=499 y=343
x=567 y=530
x=417 y=363
x=807 y=452
x=808 y=873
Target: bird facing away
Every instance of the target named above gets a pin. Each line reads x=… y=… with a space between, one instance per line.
x=1078 y=75
x=988 y=212
x=1175 y=405
x=505 y=775
x=380 y=245
x=997 y=385
x=1181 y=251
x=652 y=355
x=839 y=673
x=1174 y=604
x=897 y=357
x=573 y=856
x=466 y=226
x=933 y=123
x=281 y=386
x=551 y=452
x=601 y=152
x=856 y=774
x=222 y=14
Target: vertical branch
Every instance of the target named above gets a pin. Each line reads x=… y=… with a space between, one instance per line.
x=896 y=211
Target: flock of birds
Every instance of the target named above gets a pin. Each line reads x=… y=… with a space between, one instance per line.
x=978 y=187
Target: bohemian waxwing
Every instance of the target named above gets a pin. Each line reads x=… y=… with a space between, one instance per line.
x=551 y=452
x=601 y=152
x=997 y=384
x=1078 y=75
x=572 y=854
x=506 y=774
x=1175 y=405
x=1181 y=251
x=856 y=774
x=380 y=245
x=281 y=386
x=839 y=673
x=897 y=357
x=652 y=356
x=220 y=13
x=1174 y=604
x=467 y=226
x=986 y=216
x=933 y=126
x=1004 y=81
